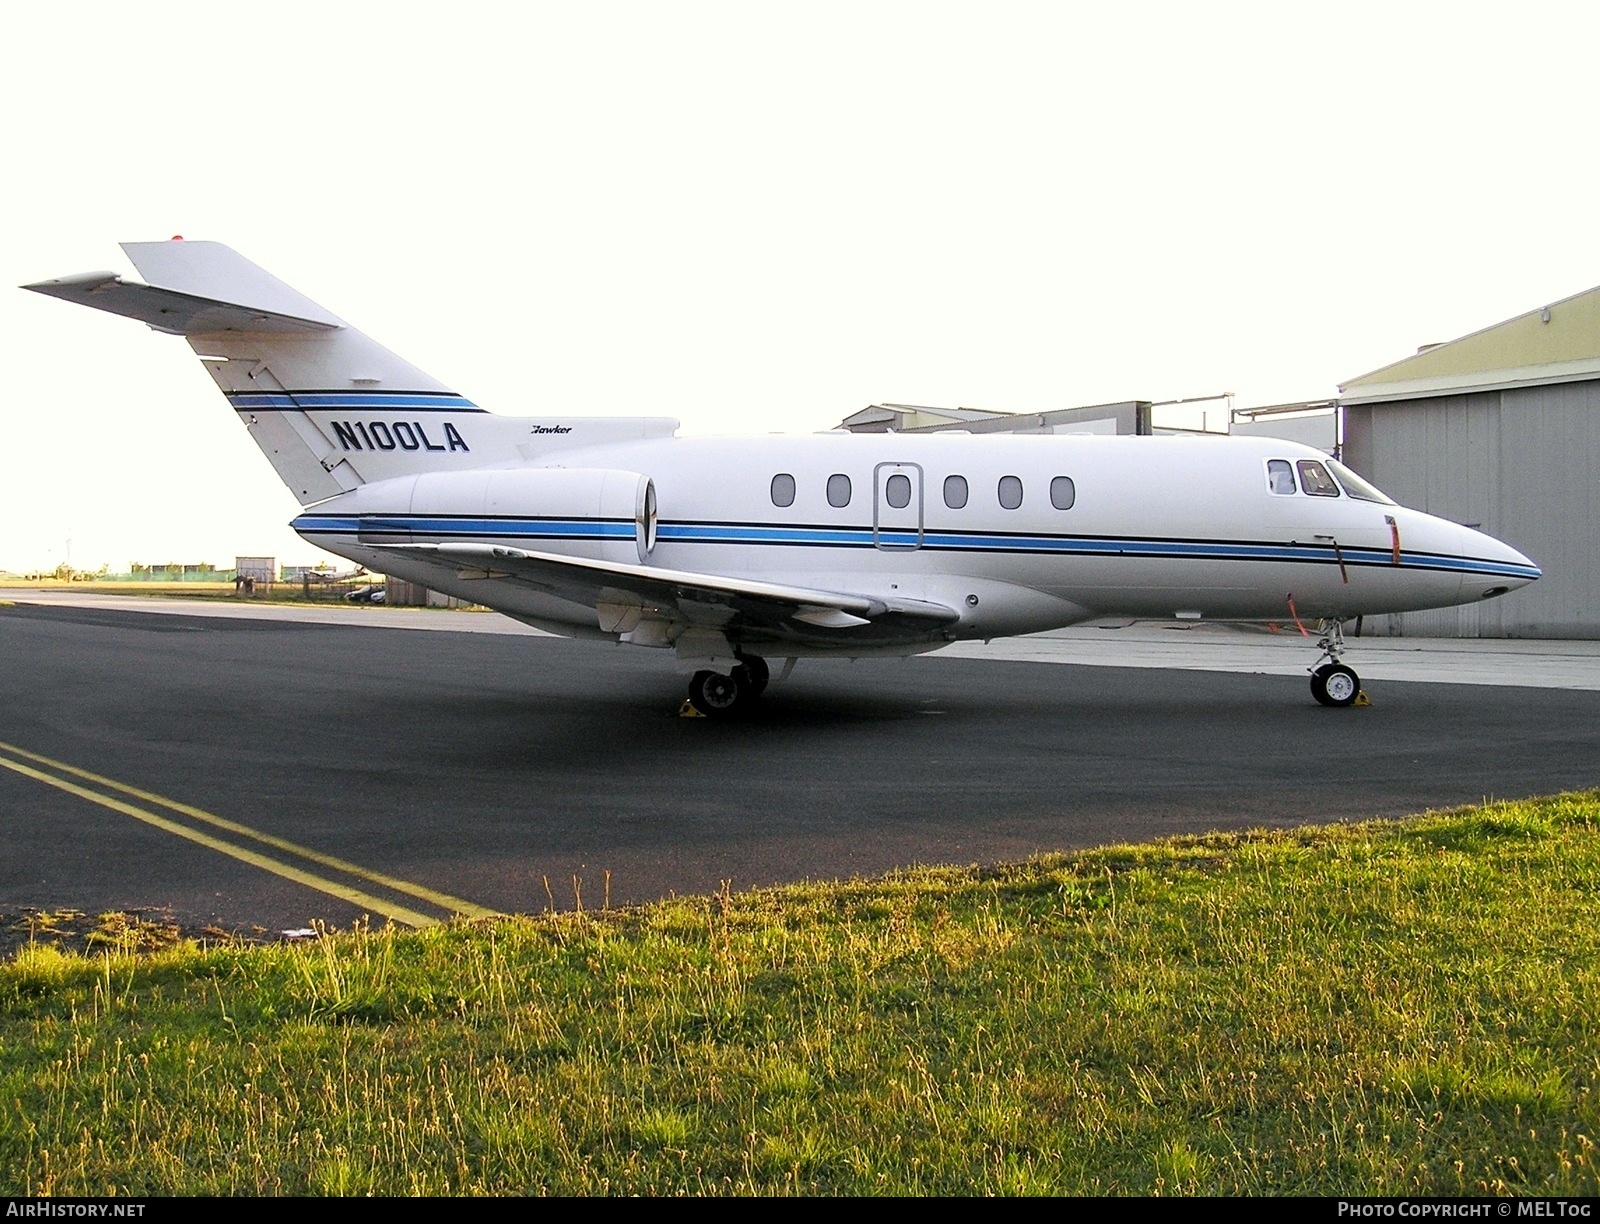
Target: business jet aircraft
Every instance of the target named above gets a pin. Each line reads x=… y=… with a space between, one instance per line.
x=330 y=576
x=739 y=552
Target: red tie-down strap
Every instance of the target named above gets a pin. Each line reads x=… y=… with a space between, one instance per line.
x=1394 y=539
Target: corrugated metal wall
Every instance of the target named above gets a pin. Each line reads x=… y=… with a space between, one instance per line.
x=1523 y=465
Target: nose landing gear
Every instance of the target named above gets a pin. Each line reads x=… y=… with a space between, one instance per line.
x=1333 y=683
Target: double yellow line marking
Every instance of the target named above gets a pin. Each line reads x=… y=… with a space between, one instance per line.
x=333 y=888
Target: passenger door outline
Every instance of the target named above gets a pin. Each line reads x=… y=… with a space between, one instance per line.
x=896 y=528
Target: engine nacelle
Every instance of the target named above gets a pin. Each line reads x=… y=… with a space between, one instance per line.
x=608 y=512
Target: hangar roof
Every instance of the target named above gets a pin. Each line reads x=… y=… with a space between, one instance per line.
x=1556 y=343
x=901 y=417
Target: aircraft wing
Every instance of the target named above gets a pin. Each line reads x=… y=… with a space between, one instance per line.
x=767 y=611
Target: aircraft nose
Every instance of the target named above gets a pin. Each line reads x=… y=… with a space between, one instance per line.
x=1496 y=567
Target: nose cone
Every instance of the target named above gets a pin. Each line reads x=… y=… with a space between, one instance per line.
x=1492 y=566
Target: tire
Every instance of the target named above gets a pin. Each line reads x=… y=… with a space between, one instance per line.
x=716 y=695
x=1334 y=684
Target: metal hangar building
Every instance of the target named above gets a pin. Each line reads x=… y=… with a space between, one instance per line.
x=1499 y=430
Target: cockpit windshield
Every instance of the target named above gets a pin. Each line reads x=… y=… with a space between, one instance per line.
x=1355 y=487
x=1315 y=481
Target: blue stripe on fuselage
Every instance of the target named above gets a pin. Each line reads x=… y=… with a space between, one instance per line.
x=444 y=528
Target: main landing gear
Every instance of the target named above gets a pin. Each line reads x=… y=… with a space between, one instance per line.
x=717 y=696
x=1332 y=683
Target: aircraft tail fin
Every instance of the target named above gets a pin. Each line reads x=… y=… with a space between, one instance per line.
x=329 y=407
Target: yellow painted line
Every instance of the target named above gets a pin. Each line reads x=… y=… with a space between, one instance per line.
x=443 y=900
x=396 y=913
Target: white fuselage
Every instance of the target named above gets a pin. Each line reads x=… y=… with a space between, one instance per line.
x=1154 y=528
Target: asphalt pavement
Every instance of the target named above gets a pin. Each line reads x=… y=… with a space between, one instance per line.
x=254 y=770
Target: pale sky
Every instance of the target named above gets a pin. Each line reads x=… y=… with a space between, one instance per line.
x=761 y=217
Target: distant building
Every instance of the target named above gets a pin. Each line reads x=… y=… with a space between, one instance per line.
x=1128 y=417
x=261 y=569
x=399 y=593
x=1311 y=423
x=175 y=571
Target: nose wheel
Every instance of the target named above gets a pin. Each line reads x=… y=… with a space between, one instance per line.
x=1332 y=682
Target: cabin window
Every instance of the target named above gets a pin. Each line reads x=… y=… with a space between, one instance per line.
x=955 y=492
x=838 y=490
x=783 y=489
x=1010 y=492
x=1280 y=476
x=897 y=491
x=1314 y=479
x=1063 y=493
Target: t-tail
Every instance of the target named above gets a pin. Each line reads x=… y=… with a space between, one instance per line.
x=330 y=407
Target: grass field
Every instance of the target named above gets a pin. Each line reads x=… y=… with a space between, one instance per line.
x=1404 y=1008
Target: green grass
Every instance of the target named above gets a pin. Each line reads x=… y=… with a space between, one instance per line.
x=1404 y=1008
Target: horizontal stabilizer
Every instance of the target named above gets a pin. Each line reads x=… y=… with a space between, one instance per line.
x=181 y=314
x=195 y=289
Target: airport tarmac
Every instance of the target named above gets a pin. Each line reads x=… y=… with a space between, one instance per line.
x=260 y=768
x=1280 y=651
